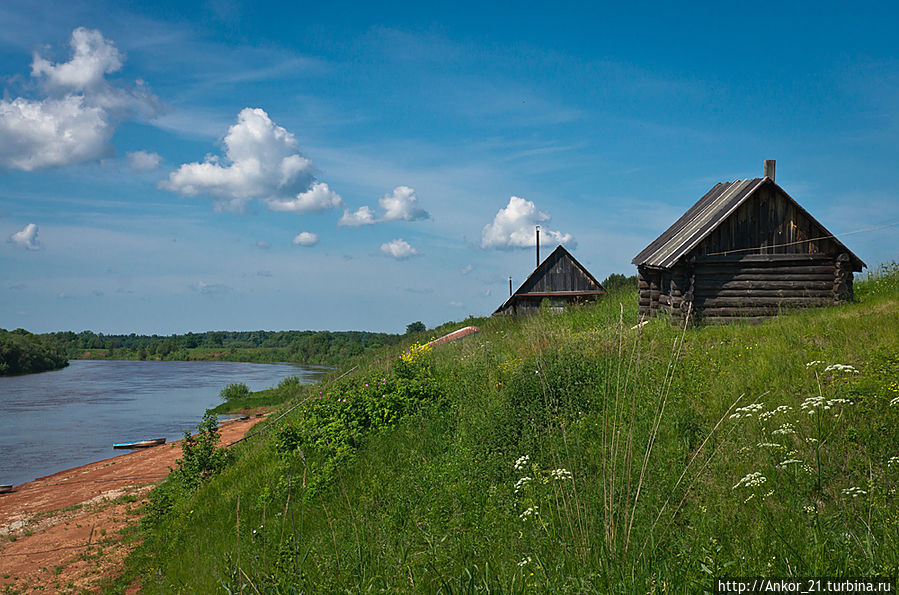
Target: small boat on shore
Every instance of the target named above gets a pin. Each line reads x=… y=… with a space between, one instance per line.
x=139 y=444
x=5 y=488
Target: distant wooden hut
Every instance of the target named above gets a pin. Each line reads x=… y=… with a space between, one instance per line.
x=745 y=250
x=560 y=279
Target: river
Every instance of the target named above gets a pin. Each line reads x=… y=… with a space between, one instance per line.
x=57 y=420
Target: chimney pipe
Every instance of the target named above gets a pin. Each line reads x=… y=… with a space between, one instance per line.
x=769 y=169
x=538 y=245
x=510 y=285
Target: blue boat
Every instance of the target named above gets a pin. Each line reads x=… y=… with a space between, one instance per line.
x=139 y=444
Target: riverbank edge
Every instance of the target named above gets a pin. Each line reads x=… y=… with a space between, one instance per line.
x=67 y=528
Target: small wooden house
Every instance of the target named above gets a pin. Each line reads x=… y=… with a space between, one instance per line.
x=560 y=279
x=745 y=250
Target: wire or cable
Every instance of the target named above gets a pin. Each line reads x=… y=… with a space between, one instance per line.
x=827 y=237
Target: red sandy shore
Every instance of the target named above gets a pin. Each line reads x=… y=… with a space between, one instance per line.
x=60 y=533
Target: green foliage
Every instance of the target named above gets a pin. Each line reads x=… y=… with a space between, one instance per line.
x=617 y=282
x=308 y=347
x=201 y=459
x=22 y=352
x=415 y=327
x=568 y=453
x=235 y=391
x=201 y=456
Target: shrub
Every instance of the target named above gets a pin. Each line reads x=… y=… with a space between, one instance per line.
x=201 y=455
x=237 y=390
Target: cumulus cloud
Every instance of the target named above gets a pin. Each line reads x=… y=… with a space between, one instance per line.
x=27 y=238
x=358 y=218
x=401 y=205
x=398 y=249
x=143 y=160
x=315 y=200
x=262 y=161
x=513 y=227
x=93 y=57
x=77 y=115
x=306 y=238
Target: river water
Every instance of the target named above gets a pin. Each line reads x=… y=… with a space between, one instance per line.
x=57 y=420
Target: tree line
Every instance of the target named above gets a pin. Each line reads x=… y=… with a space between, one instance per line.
x=22 y=352
x=309 y=347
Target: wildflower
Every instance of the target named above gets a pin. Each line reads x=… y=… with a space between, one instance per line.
x=841 y=368
x=766 y=415
x=784 y=429
x=751 y=481
x=810 y=509
x=769 y=445
x=560 y=474
x=814 y=363
x=854 y=491
x=894 y=402
x=788 y=462
x=521 y=483
x=893 y=461
x=811 y=404
x=528 y=513
x=747 y=411
x=524 y=561
x=521 y=462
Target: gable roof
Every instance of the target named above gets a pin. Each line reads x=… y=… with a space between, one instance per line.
x=543 y=268
x=705 y=216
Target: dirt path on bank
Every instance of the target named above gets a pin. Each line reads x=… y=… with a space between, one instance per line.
x=60 y=533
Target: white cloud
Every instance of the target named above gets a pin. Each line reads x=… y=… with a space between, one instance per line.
x=315 y=200
x=359 y=217
x=401 y=205
x=306 y=238
x=263 y=245
x=143 y=160
x=398 y=249
x=466 y=269
x=513 y=227
x=93 y=57
x=262 y=161
x=27 y=238
x=75 y=119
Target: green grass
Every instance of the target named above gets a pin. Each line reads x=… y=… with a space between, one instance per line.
x=645 y=452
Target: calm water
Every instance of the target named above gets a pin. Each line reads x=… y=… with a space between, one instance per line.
x=56 y=420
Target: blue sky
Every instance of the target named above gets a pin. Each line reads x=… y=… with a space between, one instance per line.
x=245 y=165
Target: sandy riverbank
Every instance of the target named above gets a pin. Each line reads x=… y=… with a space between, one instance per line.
x=60 y=533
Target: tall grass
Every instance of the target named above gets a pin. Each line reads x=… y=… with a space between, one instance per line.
x=568 y=453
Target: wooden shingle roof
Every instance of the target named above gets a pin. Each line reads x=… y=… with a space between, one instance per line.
x=705 y=216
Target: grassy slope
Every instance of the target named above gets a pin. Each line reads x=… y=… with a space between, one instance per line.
x=663 y=492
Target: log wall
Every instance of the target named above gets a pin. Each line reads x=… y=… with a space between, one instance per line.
x=764 y=285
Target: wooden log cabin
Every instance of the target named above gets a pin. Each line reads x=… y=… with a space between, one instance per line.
x=745 y=250
x=560 y=279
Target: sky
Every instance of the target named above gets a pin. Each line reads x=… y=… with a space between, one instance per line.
x=234 y=165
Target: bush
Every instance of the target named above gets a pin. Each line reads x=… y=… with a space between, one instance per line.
x=237 y=390
x=201 y=457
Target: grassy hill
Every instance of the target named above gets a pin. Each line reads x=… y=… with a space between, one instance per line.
x=562 y=453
